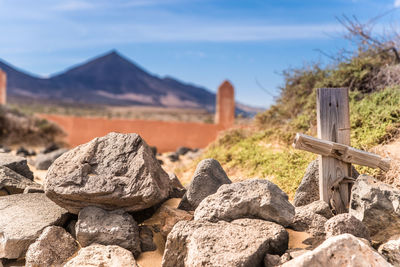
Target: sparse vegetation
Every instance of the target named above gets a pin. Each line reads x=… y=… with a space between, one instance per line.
x=19 y=128
x=372 y=76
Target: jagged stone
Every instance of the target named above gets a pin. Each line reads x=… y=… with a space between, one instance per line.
x=105 y=256
x=53 y=247
x=177 y=189
x=391 y=250
x=341 y=250
x=22 y=219
x=17 y=164
x=116 y=171
x=345 y=224
x=14 y=183
x=146 y=239
x=208 y=177
x=375 y=204
x=308 y=190
x=243 y=242
x=248 y=199
x=117 y=227
x=312 y=218
x=44 y=160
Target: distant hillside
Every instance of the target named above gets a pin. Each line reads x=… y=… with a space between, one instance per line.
x=114 y=80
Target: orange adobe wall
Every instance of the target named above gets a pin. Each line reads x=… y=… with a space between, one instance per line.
x=3 y=88
x=166 y=136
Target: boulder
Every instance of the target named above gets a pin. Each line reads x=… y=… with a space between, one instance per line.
x=248 y=199
x=391 y=250
x=53 y=247
x=345 y=224
x=105 y=256
x=312 y=218
x=117 y=227
x=17 y=164
x=208 y=177
x=117 y=171
x=177 y=189
x=44 y=160
x=308 y=190
x=376 y=204
x=243 y=242
x=341 y=250
x=22 y=219
x=14 y=183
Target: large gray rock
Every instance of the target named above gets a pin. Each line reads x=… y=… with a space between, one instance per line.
x=308 y=190
x=14 y=183
x=117 y=227
x=208 y=177
x=345 y=224
x=376 y=204
x=391 y=250
x=44 y=160
x=22 y=219
x=312 y=218
x=104 y=256
x=17 y=164
x=117 y=171
x=243 y=242
x=341 y=250
x=53 y=247
x=248 y=199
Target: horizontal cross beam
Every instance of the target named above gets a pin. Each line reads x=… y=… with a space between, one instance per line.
x=341 y=152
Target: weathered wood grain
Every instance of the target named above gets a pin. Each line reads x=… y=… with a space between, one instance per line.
x=333 y=124
x=341 y=152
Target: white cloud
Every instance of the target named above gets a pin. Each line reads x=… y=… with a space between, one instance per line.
x=396 y=3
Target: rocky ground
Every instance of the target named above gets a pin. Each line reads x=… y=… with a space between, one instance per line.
x=110 y=203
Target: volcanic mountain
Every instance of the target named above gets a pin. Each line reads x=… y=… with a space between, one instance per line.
x=110 y=79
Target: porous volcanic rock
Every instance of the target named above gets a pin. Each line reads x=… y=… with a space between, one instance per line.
x=17 y=164
x=391 y=250
x=22 y=219
x=208 y=177
x=341 y=250
x=116 y=171
x=243 y=242
x=44 y=160
x=376 y=204
x=345 y=224
x=308 y=190
x=105 y=256
x=312 y=218
x=96 y=225
x=256 y=198
x=14 y=183
x=53 y=247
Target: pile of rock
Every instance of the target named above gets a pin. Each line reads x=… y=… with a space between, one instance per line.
x=99 y=195
x=94 y=191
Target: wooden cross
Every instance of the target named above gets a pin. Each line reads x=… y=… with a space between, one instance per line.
x=333 y=146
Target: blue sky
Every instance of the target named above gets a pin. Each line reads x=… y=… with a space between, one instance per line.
x=197 y=41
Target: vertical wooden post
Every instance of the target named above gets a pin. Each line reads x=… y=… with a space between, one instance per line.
x=333 y=122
